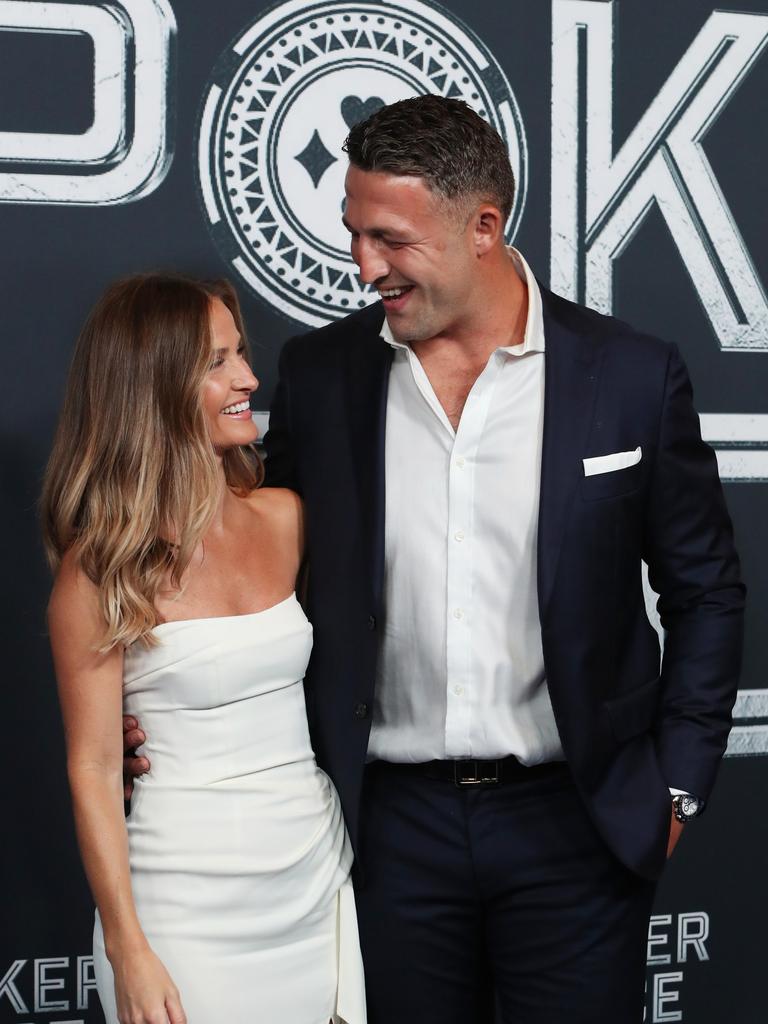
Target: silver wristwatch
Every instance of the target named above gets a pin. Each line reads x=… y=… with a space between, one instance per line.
x=686 y=806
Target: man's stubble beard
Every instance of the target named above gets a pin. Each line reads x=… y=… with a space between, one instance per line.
x=421 y=327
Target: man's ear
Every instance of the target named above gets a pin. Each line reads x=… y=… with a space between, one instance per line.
x=488 y=228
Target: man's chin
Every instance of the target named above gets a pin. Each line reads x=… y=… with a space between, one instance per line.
x=408 y=330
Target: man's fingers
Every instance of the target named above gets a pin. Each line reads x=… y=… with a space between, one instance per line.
x=133 y=766
x=132 y=739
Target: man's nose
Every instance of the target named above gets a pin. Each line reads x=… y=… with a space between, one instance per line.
x=371 y=261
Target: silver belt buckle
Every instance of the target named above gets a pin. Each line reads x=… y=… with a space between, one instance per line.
x=468 y=773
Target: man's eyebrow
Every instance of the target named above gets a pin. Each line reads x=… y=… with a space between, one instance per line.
x=377 y=232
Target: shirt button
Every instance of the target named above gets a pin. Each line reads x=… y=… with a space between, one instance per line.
x=460 y=462
x=371 y=622
x=459 y=536
x=458 y=613
x=361 y=710
x=458 y=690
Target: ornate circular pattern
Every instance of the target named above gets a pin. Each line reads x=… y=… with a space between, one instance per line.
x=279 y=107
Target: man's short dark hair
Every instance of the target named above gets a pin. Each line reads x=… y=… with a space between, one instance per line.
x=455 y=151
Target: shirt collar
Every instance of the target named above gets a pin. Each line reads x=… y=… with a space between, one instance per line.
x=533 y=339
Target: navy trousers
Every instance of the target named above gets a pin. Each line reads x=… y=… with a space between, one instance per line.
x=498 y=899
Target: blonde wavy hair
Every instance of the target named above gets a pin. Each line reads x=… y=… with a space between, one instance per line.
x=132 y=481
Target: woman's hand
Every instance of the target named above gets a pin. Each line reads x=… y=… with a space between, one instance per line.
x=144 y=991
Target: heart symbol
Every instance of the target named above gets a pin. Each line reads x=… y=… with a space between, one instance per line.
x=353 y=110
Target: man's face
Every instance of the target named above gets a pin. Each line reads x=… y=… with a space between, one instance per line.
x=414 y=249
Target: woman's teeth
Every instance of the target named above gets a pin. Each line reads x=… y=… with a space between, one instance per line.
x=393 y=293
x=230 y=410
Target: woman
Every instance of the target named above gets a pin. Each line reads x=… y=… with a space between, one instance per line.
x=226 y=894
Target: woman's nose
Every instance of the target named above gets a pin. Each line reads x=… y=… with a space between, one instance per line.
x=245 y=379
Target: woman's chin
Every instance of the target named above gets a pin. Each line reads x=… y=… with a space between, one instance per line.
x=245 y=434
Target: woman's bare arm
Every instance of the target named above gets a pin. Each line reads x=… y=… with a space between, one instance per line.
x=90 y=692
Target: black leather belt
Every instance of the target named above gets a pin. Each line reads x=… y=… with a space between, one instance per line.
x=477 y=773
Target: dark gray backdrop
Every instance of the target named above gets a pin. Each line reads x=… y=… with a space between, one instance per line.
x=64 y=237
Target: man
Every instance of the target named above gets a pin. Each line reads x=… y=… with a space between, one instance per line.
x=484 y=467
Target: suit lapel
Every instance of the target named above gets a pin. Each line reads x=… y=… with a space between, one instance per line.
x=368 y=365
x=572 y=367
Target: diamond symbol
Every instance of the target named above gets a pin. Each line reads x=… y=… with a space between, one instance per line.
x=315 y=158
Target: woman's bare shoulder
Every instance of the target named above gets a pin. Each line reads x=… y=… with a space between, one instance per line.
x=71 y=585
x=73 y=609
x=279 y=503
x=282 y=513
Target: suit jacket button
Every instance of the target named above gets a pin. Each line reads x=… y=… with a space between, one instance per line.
x=371 y=622
x=361 y=710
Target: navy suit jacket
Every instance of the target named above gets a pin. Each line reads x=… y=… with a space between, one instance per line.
x=630 y=726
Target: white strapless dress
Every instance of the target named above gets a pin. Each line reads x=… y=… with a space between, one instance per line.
x=239 y=856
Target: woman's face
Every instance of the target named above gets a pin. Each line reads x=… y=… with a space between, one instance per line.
x=228 y=384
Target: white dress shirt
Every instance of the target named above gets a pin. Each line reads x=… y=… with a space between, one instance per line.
x=461 y=670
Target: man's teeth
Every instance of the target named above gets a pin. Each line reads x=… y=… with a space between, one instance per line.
x=240 y=407
x=392 y=293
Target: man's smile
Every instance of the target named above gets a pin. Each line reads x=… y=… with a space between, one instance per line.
x=395 y=298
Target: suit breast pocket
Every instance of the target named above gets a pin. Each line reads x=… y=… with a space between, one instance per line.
x=612 y=484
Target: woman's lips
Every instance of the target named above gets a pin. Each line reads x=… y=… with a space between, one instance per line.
x=244 y=415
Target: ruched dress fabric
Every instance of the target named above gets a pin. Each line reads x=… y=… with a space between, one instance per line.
x=238 y=852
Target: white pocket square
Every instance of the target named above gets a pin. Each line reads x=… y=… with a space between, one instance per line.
x=610 y=463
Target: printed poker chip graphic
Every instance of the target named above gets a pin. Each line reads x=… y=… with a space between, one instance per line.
x=278 y=109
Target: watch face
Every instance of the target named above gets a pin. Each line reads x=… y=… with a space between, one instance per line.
x=689 y=806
